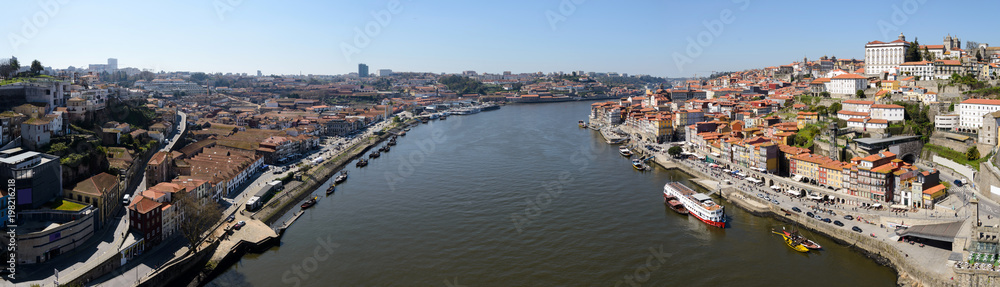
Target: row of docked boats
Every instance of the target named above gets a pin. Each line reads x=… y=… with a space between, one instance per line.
x=637 y=163
x=679 y=197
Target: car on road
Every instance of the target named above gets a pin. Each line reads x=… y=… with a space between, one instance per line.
x=827 y=220
x=242 y=223
x=796 y=209
x=838 y=223
x=231 y=218
x=810 y=214
x=848 y=217
x=856 y=229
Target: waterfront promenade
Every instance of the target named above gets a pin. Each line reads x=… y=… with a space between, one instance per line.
x=876 y=238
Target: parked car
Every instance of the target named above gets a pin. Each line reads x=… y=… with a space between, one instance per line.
x=848 y=217
x=242 y=223
x=796 y=209
x=857 y=229
x=231 y=218
x=827 y=220
x=810 y=214
x=838 y=223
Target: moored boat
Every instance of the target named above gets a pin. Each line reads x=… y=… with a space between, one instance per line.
x=309 y=203
x=639 y=165
x=582 y=124
x=624 y=151
x=362 y=163
x=792 y=243
x=341 y=178
x=700 y=205
x=674 y=204
x=331 y=189
x=374 y=155
x=796 y=236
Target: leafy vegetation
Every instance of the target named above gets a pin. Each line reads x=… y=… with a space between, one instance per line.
x=463 y=85
x=972 y=154
x=675 y=151
x=807 y=135
x=912 y=54
x=916 y=121
x=956 y=156
x=968 y=80
x=984 y=92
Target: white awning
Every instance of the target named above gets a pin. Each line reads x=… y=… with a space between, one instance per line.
x=794 y=192
x=775 y=187
x=899 y=206
x=797 y=177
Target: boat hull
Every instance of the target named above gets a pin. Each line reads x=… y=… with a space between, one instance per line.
x=707 y=211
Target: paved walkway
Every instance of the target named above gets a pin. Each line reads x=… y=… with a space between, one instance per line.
x=933 y=259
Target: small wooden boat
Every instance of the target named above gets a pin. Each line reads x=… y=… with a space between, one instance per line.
x=374 y=155
x=362 y=163
x=309 y=203
x=341 y=178
x=796 y=236
x=331 y=189
x=797 y=246
x=675 y=205
x=582 y=124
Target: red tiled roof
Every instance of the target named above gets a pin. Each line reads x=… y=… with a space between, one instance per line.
x=981 y=102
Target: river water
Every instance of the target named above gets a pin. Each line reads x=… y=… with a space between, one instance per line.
x=523 y=197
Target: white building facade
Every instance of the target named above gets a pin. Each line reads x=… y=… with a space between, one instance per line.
x=971 y=113
x=880 y=57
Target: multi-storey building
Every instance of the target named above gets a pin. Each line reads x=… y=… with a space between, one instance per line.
x=103 y=191
x=881 y=57
x=971 y=113
x=37 y=177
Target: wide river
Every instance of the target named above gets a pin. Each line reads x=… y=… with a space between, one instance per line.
x=523 y=197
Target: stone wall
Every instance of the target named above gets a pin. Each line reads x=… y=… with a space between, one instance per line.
x=988 y=181
x=964 y=170
x=910 y=274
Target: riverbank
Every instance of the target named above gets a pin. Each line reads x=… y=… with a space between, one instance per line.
x=908 y=273
x=259 y=234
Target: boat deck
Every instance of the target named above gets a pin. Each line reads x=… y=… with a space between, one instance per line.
x=687 y=191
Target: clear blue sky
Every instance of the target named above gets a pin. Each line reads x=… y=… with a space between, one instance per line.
x=636 y=37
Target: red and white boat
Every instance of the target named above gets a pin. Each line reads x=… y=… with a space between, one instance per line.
x=700 y=205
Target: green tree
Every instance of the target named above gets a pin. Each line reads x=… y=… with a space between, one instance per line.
x=835 y=107
x=912 y=54
x=14 y=65
x=199 y=77
x=36 y=67
x=951 y=108
x=972 y=153
x=822 y=110
x=860 y=94
x=674 y=151
x=824 y=94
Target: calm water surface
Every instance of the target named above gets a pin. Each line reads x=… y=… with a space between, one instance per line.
x=523 y=197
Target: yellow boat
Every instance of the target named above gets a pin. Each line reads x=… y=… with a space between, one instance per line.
x=795 y=246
